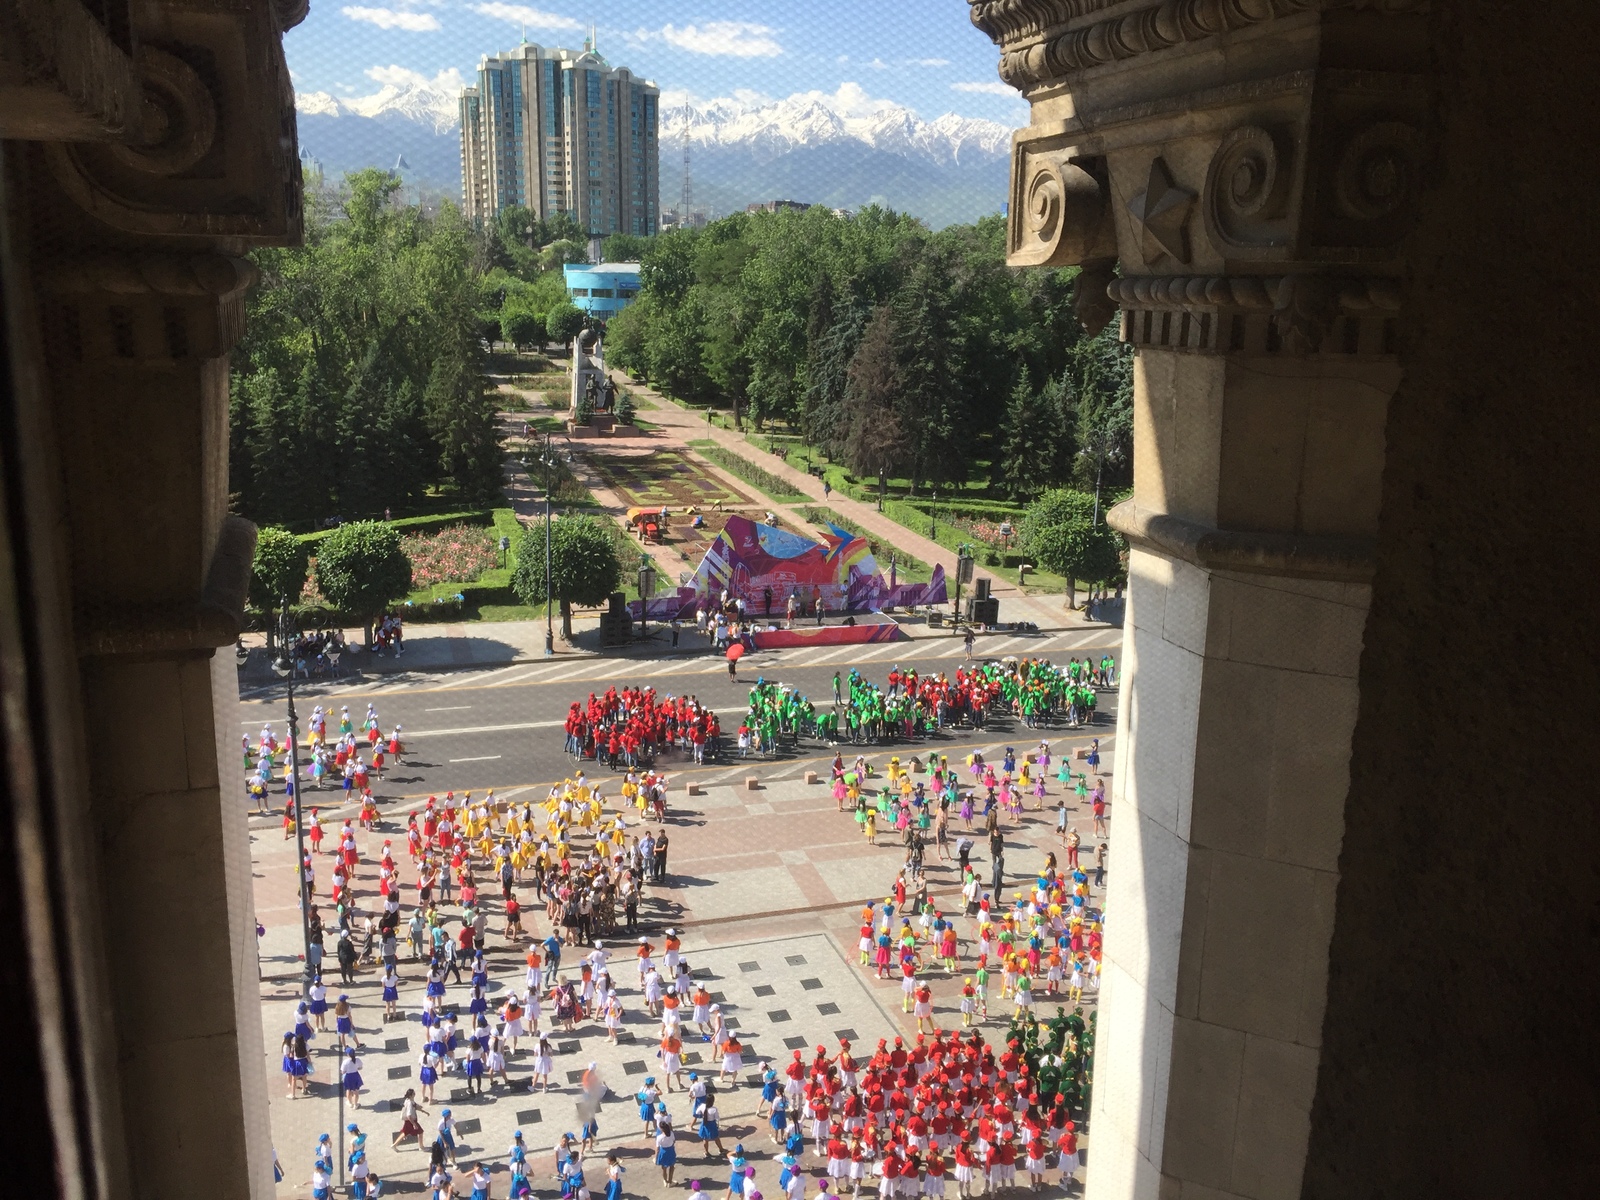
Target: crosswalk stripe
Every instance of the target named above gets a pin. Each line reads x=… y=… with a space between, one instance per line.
x=546 y=671
x=478 y=680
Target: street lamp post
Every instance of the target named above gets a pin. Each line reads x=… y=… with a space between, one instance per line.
x=286 y=660
x=548 y=460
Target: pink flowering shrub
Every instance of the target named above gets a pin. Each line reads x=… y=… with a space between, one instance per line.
x=459 y=554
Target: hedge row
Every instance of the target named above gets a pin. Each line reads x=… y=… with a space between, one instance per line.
x=432 y=523
x=770 y=484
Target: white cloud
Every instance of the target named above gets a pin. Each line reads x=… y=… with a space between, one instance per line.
x=844 y=58
x=878 y=64
x=988 y=87
x=850 y=100
x=522 y=14
x=388 y=18
x=447 y=80
x=929 y=62
x=723 y=39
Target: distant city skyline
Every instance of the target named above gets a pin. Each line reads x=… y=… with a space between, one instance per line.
x=856 y=58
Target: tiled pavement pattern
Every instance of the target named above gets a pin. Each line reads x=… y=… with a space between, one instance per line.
x=766 y=887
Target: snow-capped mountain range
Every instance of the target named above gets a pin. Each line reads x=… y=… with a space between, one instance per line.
x=806 y=120
x=839 y=149
x=419 y=102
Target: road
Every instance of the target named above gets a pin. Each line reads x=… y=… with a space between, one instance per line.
x=501 y=728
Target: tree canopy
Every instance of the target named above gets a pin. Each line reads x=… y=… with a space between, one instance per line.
x=357 y=386
x=772 y=312
x=361 y=568
x=1060 y=531
x=278 y=572
x=583 y=565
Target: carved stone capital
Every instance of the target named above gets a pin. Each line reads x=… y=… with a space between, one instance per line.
x=147 y=308
x=1293 y=555
x=66 y=71
x=1060 y=208
x=213 y=156
x=1045 y=41
x=1259 y=314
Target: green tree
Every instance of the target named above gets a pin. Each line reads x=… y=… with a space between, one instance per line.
x=343 y=338
x=877 y=442
x=361 y=568
x=563 y=322
x=278 y=573
x=460 y=415
x=623 y=247
x=560 y=254
x=1036 y=439
x=625 y=338
x=584 y=566
x=627 y=410
x=1059 y=530
x=521 y=328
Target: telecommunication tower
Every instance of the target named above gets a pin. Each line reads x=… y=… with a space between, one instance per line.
x=686 y=201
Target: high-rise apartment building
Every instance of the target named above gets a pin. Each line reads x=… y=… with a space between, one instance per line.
x=562 y=131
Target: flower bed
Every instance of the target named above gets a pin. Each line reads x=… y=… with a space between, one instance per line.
x=459 y=554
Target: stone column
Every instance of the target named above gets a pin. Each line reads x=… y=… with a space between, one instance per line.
x=1235 y=177
x=155 y=149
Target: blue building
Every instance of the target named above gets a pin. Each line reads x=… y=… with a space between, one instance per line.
x=603 y=290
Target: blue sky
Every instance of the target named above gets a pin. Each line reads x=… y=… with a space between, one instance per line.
x=923 y=54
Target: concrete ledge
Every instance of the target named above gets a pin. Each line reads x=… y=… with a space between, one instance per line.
x=1341 y=558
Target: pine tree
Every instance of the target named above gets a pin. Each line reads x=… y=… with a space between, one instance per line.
x=461 y=418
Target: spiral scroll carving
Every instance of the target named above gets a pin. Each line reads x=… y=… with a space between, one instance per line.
x=1377 y=171
x=180 y=116
x=1246 y=189
x=1042 y=210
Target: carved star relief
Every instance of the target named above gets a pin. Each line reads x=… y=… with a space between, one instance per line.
x=1162 y=211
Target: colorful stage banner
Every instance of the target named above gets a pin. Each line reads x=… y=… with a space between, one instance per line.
x=748 y=558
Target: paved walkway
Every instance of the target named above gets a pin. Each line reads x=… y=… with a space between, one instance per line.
x=766 y=886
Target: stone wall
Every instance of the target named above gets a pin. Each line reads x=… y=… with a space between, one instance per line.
x=1460 y=1044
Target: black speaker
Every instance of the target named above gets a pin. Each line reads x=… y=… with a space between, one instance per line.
x=980 y=588
x=983 y=612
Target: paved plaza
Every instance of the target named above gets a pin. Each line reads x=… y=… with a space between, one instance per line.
x=766 y=886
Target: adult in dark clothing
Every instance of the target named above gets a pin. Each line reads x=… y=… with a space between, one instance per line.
x=661 y=856
x=347 y=960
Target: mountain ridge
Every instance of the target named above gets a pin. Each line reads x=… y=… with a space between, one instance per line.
x=846 y=154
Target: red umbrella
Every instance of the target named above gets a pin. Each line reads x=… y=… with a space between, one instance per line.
x=736 y=652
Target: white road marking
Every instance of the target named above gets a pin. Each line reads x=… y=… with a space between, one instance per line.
x=450 y=708
x=477 y=758
x=412 y=735
x=477 y=680
x=544 y=671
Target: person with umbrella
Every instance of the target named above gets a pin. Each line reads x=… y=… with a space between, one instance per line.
x=735 y=652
